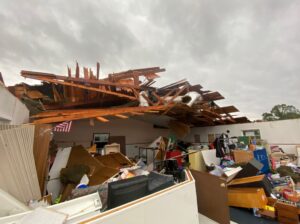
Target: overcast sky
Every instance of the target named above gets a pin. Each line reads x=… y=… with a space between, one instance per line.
x=249 y=51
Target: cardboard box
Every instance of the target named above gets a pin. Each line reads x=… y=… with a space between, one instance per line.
x=242 y=156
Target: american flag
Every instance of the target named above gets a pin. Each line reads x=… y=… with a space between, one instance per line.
x=63 y=127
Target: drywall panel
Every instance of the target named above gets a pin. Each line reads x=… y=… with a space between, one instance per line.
x=14 y=111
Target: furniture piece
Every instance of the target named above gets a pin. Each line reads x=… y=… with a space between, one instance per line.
x=121 y=140
x=287 y=214
x=247 y=197
x=260 y=181
x=127 y=190
x=212 y=196
x=100 y=140
x=112 y=148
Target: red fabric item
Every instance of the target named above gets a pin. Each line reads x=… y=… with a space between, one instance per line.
x=174 y=153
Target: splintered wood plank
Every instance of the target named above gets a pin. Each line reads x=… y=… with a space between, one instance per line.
x=147 y=99
x=169 y=93
x=69 y=72
x=136 y=79
x=77 y=74
x=1 y=79
x=33 y=75
x=212 y=96
x=226 y=110
x=131 y=73
x=210 y=113
x=159 y=99
x=86 y=73
x=102 y=119
x=177 y=94
x=121 y=116
x=173 y=97
x=83 y=87
x=56 y=95
x=98 y=70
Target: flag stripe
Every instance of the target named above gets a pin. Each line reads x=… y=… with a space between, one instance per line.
x=63 y=127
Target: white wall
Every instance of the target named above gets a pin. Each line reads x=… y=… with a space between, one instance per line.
x=12 y=110
x=177 y=206
x=285 y=132
x=136 y=133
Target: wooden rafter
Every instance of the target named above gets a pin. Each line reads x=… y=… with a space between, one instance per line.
x=32 y=75
x=67 y=116
x=136 y=72
x=147 y=99
x=102 y=119
x=82 y=87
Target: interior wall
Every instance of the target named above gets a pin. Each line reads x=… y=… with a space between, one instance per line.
x=12 y=110
x=137 y=133
x=284 y=132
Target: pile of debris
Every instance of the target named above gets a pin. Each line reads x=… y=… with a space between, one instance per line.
x=129 y=93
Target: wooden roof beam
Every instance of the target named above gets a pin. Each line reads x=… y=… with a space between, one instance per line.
x=81 y=87
x=36 y=75
x=98 y=113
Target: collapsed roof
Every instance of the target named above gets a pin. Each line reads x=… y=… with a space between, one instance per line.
x=129 y=93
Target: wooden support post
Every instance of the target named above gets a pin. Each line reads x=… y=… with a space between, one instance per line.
x=136 y=80
x=69 y=72
x=98 y=70
x=77 y=74
x=85 y=73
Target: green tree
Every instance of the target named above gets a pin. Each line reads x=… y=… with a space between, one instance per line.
x=281 y=112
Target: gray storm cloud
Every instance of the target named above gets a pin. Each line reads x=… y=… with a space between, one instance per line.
x=247 y=50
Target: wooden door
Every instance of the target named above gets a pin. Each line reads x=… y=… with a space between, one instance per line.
x=120 y=140
x=212 y=196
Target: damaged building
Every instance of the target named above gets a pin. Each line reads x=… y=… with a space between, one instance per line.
x=81 y=148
